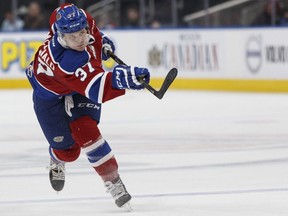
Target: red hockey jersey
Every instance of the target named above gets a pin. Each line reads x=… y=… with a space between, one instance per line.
x=58 y=71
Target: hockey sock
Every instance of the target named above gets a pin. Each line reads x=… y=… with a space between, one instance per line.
x=102 y=159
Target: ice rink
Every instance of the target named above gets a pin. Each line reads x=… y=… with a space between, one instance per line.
x=192 y=153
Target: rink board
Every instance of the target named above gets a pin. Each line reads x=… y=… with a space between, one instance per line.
x=246 y=59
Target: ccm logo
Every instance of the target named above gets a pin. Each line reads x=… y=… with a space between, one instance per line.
x=89 y=105
x=118 y=79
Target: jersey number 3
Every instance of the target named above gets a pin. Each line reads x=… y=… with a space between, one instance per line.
x=82 y=73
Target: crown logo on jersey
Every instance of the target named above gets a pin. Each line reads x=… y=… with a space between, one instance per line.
x=58 y=16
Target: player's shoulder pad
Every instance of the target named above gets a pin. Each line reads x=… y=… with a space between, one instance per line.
x=72 y=59
x=69 y=60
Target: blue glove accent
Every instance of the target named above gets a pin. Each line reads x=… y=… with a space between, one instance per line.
x=107 y=43
x=126 y=77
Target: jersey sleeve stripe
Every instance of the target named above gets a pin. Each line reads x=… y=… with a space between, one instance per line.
x=95 y=79
x=101 y=88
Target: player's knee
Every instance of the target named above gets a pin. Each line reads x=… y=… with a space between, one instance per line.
x=68 y=155
x=85 y=130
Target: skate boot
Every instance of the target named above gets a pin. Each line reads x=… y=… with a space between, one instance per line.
x=119 y=193
x=57 y=175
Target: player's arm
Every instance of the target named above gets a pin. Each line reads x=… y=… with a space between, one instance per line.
x=89 y=79
x=98 y=85
x=110 y=85
x=122 y=77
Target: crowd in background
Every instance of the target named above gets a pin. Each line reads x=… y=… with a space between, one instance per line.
x=35 y=15
x=265 y=17
x=26 y=18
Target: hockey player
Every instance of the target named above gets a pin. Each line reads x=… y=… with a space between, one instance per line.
x=69 y=86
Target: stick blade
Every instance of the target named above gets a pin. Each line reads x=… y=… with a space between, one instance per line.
x=172 y=74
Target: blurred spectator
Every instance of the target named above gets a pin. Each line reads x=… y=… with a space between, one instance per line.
x=22 y=12
x=11 y=23
x=284 y=18
x=105 y=22
x=265 y=18
x=155 y=24
x=132 y=17
x=34 y=20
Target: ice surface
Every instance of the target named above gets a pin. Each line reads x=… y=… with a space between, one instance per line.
x=191 y=153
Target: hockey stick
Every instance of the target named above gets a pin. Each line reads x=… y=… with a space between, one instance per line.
x=170 y=77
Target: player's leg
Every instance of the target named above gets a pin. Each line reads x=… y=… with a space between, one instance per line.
x=54 y=122
x=86 y=133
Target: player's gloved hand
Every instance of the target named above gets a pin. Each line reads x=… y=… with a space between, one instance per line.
x=107 y=44
x=128 y=77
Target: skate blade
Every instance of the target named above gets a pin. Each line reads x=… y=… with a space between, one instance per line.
x=127 y=206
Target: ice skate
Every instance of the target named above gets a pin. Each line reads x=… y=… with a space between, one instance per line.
x=57 y=175
x=119 y=193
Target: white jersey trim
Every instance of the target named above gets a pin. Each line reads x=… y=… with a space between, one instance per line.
x=101 y=88
x=64 y=71
x=50 y=52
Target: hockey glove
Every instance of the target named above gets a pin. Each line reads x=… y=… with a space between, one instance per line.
x=107 y=44
x=128 y=77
